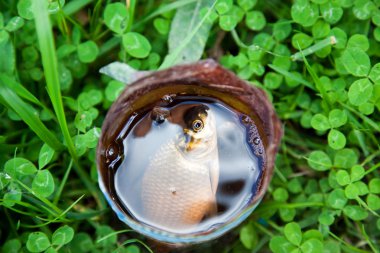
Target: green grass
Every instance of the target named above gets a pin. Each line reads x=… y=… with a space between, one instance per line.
x=14 y=102
x=317 y=60
x=50 y=67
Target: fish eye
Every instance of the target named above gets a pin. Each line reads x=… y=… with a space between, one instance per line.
x=197 y=125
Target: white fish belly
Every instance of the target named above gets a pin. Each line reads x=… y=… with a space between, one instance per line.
x=176 y=193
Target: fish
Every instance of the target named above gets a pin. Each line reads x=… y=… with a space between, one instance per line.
x=180 y=183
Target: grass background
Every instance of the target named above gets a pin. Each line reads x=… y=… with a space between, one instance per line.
x=317 y=60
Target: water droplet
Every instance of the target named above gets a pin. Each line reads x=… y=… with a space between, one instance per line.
x=168 y=98
x=111 y=153
x=245 y=119
x=256 y=140
x=159 y=114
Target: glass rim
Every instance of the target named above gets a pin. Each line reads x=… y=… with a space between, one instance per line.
x=179 y=238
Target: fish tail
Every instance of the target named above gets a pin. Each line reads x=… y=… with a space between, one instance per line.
x=199 y=211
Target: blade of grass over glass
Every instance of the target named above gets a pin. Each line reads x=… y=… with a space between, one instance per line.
x=49 y=62
x=185 y=19
x=172 y=58
x=10 y=99
x=115 y=41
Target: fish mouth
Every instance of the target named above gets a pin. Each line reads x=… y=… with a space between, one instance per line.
x=192 y=147
x=194 y=144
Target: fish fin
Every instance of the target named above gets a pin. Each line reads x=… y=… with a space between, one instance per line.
x=214 y=175
x=200 y=211
x=213 y=209
x=195 y=213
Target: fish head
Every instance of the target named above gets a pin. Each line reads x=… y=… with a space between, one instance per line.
x=199 y=133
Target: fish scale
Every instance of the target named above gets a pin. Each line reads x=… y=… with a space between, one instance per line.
x=177 y=192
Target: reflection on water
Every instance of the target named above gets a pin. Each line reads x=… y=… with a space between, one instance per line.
x=188 y=166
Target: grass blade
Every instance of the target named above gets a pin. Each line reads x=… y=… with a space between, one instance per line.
x=115 y=41
x=10 y=99
x=19 y=89
x=318 y=46
x=367 y=120
x=63 y=182
x=291 y=76
x=318 y=83
x=164 y=9
x=49 y=62
x=23 y=93
x=44 y=200
x=8 y=57
x=50 y=66
x=75 y=6
x=57 y=218
x=172 y=58
x=185 y=19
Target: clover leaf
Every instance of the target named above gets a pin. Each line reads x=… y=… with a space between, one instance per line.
x=356 y=61
x=37 y=242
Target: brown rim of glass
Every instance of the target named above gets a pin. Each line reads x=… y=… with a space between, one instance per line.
x=216 y=82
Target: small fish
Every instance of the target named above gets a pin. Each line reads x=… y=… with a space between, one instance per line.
x=180 y=183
